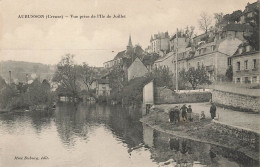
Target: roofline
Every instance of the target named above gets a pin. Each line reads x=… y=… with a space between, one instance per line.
x=140 y=61
x=246 y=53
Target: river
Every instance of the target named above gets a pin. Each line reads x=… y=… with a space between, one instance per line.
x=96 y=135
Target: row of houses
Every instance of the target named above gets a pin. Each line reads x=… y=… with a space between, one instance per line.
x=217 y=50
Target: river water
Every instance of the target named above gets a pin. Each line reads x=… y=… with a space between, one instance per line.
x=96 y=135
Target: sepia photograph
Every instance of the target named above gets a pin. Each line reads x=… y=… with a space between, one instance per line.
x=129 y=83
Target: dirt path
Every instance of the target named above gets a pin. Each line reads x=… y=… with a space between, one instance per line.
x=245 y=120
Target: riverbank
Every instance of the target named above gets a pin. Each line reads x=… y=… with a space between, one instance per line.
x=202 y=131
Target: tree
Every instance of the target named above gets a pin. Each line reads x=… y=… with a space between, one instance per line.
x=87 y=75
x=253 y=39
x=229 y=73
x=204 y=22
x=218 y=17
x=117 y=78
x=196 y=76
x=189 y=33
x=233 y=17
x=2 y=82
x=66 y=75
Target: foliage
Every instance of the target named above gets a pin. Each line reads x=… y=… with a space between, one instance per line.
x=117 y=78
x=2 y=83
x=253 y=39
x=218 y=17
x=229 y=73
x=233 y=17
x=86 y=74
x=196 y=76
x=66 y=75
x=189 y=32
x=204 y=22
x=22 y=96
x=162 y=77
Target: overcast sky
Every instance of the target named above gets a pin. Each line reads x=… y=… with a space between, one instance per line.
x=94 y=41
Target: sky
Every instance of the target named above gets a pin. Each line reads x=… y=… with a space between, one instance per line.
x=94 y=40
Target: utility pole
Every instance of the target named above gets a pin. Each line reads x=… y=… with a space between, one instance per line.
x=176 y=69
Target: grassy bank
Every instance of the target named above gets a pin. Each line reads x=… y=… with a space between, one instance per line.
x=202 y=131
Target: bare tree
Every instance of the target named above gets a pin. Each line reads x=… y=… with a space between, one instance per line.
x=218 y=17
x=204 y=21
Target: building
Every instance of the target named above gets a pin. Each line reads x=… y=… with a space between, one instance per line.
x=136 y=69
x=182 y=41
x=234 y=30
x=160 y=42
x=245 y=63
x=125 y=57
x=102 y=87
x=165 y=62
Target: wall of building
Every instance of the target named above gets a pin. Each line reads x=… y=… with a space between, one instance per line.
x=250 y=71
x=236 y=101
x=137 y=69
x=167 y=61
x=167 y=96
x=148 y=93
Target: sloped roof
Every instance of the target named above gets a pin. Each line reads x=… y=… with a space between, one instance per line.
x=119 y=55
x=237 y=27
x=164 y=57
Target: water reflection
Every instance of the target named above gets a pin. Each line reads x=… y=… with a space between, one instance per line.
x=168 y=149
x=101 y=135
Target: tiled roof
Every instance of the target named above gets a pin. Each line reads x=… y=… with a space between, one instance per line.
x=237 y=27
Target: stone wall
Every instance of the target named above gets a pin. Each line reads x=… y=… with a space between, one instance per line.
x=166 y=96
x=236 y=101
x=247 y=137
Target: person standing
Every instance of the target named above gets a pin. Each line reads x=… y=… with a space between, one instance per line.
x=213 y=110
x=171 y=115
x=176 y=114
x=189 y=111
x=184 y=112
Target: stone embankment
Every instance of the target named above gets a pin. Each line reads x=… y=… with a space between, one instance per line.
x=207 y=131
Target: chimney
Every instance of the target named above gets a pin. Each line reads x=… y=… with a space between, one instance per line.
x=248 y=48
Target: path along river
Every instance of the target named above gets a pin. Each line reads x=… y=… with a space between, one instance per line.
x=96 y=135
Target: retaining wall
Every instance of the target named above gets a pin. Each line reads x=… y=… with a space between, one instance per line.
x=236 y=100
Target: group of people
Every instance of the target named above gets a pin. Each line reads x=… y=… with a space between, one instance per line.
x=186 y=113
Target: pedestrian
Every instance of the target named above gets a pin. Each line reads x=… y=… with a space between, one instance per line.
x=176 y=114
x=189 y=111
x=213 y=110
x=202 y=115
x=171 y=115
x=184 y=112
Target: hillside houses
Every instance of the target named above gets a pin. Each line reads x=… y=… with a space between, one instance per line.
x=216 y=50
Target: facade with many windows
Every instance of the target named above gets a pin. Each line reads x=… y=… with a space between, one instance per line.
x=246 y=65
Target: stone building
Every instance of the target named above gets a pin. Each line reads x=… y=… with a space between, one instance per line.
x=136 y=69
x=160 y=42
x=182 y=41
x=102 y=87
x=245 y=63
x=125 y=57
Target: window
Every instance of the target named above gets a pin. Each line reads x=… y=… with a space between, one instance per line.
x=254 y=79
x=238 y=66
x=229 y=61
x=247 y=80
x=198 y=64
x=254 y=63
x=246 y=64
x=238 y=80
